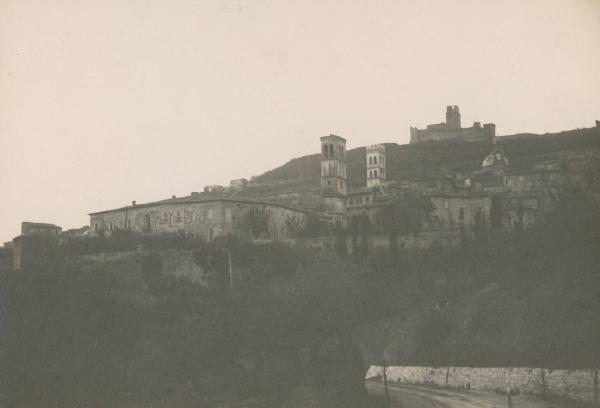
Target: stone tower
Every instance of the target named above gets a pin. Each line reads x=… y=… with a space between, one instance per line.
x=333 y=173
x=452 y=117
x=375 y=165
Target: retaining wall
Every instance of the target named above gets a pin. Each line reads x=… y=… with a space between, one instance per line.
x=578 y=385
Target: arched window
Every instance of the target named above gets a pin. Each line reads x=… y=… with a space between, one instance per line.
x=370 y=174
x=375 y=173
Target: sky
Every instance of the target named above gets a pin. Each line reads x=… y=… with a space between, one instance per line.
x=108 y=101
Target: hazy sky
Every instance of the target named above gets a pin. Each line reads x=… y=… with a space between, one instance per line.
x=107 y=101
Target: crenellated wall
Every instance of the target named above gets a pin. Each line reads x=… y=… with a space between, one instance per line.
x=471 y=134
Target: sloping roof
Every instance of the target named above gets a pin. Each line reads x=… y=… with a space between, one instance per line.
x=207 y=199
x=41 y=224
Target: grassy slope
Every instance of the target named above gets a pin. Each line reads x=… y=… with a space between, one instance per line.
x=440 y=158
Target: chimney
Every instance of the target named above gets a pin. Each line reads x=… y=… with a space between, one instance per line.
x=133 y=203
x=174 y=196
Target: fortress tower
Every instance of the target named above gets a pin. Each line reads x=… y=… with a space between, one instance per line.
x=375 y=165
x=333 y=173
x=452 y=117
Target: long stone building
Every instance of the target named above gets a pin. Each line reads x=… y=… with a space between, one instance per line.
x=207 y=215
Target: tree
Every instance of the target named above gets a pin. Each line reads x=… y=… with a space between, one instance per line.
x=309 y=226
x=405 y=215
x=365 y=225
x=354 y=231
x=341 y=246
x=359 y=228
x=383 y=330
x=255 y=222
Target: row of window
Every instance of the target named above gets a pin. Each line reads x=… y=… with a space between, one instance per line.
x=329 y=150
x=112 y=226
x=359 y=200
x=375 y=174
x=340 y=184
x=373 y=159
x=205 y=215
x=332 y=169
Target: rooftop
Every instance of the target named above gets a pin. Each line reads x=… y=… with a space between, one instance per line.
x=332 y=136
x=206 y=198
x=39 y=224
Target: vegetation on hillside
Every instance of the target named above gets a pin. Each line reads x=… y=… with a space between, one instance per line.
x=438 y=159
x=271 y=328
x=526 y=299
x=278 y=325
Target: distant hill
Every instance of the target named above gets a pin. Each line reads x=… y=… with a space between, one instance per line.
x=437 y=159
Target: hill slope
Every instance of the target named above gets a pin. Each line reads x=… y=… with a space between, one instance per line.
x=437 y=159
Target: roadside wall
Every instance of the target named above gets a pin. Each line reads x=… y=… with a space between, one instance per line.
x=573 y=384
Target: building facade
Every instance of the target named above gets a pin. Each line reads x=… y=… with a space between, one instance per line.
x=205 y=217
x=40 y=229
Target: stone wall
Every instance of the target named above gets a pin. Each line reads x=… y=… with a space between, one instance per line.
x=177 y=263
x=577 y=385
x=444 y=237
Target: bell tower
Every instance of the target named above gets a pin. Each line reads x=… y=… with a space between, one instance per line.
x=375 y=165
x=333 y=172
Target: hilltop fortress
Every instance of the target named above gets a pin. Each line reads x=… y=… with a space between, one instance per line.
x=452 y=130
x=510 y=182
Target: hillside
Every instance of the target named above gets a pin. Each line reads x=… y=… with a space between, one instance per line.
x=530 y=299
x=182 y=322
x=436 y=159
x=166 y=328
